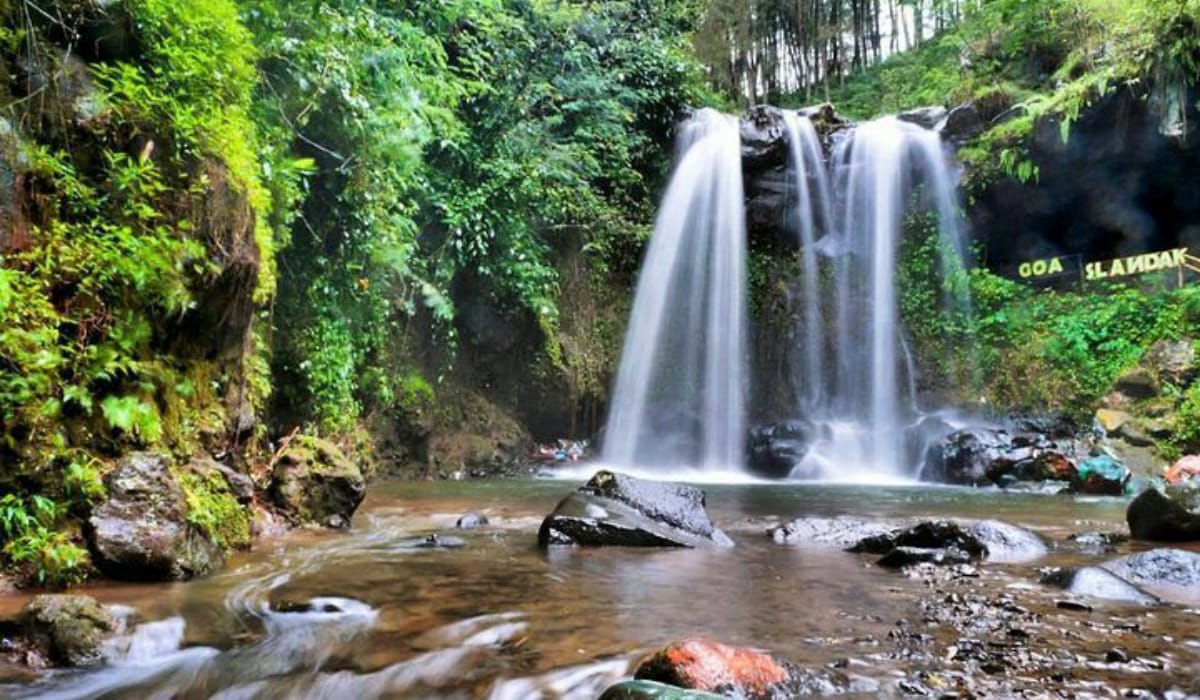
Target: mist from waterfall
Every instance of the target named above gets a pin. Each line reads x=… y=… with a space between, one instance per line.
x=855 y=360
x=679 y=400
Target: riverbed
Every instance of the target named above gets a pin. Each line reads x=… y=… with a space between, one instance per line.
x=375 y=611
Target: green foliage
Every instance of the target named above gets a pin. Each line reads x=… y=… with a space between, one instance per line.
x=215 y=510
x=457 y=148
x=1186 y=437
x=31 y=543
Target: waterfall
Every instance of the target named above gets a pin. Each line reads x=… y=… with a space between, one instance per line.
x=811 y=193
x=863 y=400
x=679 y=400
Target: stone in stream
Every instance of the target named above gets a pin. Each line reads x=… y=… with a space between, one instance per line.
x=69 y=630
x=931 y=534
x=1007 y=543
x=1169 y=514
x=615 y=509
x=1101 y=476
x=1171 y=567
x=712 y=667
x=650 y=690
x=1097 y=542
x=777 y=448
x=841 y=531
x=142 y=531
x=1095 y=582
x=313 y=482
x=470 y=521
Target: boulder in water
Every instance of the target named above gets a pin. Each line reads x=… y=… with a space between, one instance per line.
x=831 y=532
x=777 y=448
x=931 y=534
x=313 y=482
x=1158 y=567
x=1007 y=543
x=964 y=457
x=1169 y=514
x=471 y=521
x=652 y=690
x=1095 y=582
x=142 y=531
x=615 y=509
x=1101 y=476
x=70 y=630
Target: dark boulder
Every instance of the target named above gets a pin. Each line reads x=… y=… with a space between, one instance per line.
x=1159 y=567
x=1095 y=582
x=615 y=509
x=142 y=531
x=964 y=457
x=313 y=482
x=1170 y=514
x=778 y=448
x=924 y=117
x=764 y=139
x=962 y=124
x=69 y=630
x=1138 y=383
x=934 y=534
x=1008 y=543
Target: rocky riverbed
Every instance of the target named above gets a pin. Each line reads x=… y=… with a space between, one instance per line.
x=1043 y=600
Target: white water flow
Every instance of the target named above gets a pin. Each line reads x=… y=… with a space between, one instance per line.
x=679 y=401
x=864 y=397
x=811 y=190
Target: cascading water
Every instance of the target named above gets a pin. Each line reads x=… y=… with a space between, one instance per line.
x=813 y=212
x=862 y=401
x=679 y=400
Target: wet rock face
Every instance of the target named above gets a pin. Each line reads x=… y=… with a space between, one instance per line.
x=141 y=532
x=1171 y=514
x=69 y=630
x=1023 y=452
x=313 y=482
x=778 y=448
x=710 y=667
x=937 y=534
x=615 y=509
x=240 y=485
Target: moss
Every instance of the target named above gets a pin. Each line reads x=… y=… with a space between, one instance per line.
x=215 y=510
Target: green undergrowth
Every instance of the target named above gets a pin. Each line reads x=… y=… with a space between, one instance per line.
x=1017 y=347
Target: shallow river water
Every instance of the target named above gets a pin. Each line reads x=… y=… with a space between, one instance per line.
x=366 y=613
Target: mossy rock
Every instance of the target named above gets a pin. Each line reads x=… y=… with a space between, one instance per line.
x=143 y=532
x=69 y=629
x=314 y=482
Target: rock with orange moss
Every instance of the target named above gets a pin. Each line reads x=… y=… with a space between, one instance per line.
x=712 y=667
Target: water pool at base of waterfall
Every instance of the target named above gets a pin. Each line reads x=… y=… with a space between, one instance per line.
x=370 y=612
